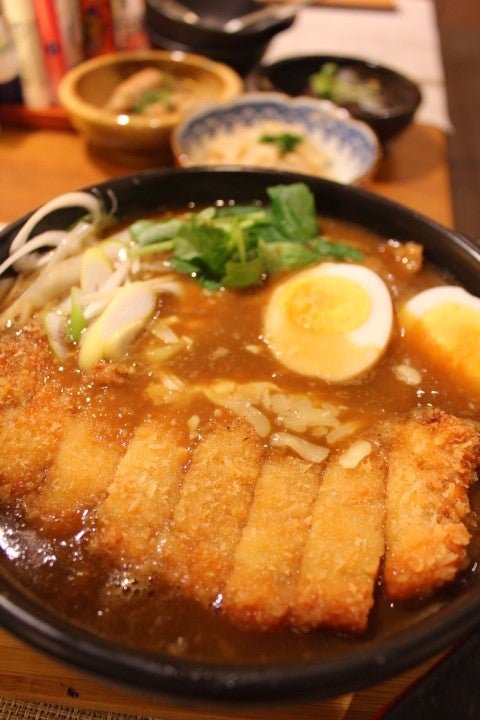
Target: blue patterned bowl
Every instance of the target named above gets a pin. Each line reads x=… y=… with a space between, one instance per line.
x=210 y=135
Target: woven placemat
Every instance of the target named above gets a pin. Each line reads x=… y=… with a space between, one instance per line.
x=20 y=710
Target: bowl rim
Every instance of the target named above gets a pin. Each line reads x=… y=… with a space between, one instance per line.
x=327 y=108
x=67 y=91
x=207 y=683
x=204 y=35
x=263 y=69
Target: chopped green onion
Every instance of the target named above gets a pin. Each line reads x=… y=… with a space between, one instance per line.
x=160 y=247
x=325 y=248
x=153 y=96
x=146 y=232
x=285 y=142
x=76 y=322
x=323 y=82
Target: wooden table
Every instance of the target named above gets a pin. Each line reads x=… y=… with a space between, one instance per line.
x=34 y=167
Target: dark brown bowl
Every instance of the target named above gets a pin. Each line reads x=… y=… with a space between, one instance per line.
x=333 y=668
x=402 y=95
x=242 y=51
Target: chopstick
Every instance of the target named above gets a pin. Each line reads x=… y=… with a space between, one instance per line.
x=365 y=4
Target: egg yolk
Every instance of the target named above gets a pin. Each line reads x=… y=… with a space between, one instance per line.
x=326 y=322
x=449 y=334
x=328 y=305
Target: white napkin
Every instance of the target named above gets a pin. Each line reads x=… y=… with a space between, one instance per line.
x=405 y=39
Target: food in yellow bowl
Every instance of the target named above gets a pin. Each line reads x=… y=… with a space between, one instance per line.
x=127 y=104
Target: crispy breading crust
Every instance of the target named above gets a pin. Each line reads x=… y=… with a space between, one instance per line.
x=213 y=508
x=260 y=590
x=336 y=583
x=142 y=495
x=81 y=471
x=26 y=360
x=33 y=411
x=29 y=438
x=431 y=466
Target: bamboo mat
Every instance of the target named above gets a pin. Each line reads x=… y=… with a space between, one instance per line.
x=19 y=710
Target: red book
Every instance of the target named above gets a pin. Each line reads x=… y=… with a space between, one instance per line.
x=51 y=42
x=97 y=24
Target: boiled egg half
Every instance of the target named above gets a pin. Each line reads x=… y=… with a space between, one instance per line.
x=443 y=324
x=331 y=322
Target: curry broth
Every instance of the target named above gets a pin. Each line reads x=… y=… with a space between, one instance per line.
x=109 y=600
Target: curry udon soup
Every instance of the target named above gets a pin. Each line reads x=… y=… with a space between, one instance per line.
x=225 y=431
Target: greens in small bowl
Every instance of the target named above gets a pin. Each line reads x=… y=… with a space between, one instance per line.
x=381 y=97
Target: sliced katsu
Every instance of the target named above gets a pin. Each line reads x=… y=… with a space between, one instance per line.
x=133 y=519
x=260 y=590
x=33 y=411
x=335 y=586
x=432 y=464
x=213 y=507
x=84 y=465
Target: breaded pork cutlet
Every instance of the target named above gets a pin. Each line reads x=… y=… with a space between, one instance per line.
x=133 y=517
x=212 y=509
x=335 y=586
x=260 y=590
x=29 y=438
x=82 y=469
x=26 y=364
x=431 y=466
x=33 y=411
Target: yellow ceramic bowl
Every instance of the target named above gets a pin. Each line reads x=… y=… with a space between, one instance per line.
x=134 y=139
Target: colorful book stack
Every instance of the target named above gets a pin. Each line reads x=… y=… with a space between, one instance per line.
x=51 y=36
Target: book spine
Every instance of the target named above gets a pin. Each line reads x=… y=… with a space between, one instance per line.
x=70 y=26
x=31 y=66
x=51 y=42
x=128 y=24
x=97 y=26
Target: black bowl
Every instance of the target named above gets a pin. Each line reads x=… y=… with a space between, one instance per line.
x=241 y=59
x=364 y=661
x=242 y=51
x=402 y=96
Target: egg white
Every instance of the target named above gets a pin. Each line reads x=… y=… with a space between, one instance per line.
x=442 y=324
x=419 y=304
x=309 y=342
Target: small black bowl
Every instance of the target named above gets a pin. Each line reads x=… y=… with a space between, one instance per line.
x=402 y=96
x=242 y=51
x=331 y=671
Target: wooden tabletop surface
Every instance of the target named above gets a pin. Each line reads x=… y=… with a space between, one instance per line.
x=36 y=165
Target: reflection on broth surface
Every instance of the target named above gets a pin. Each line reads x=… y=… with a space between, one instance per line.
x=184 y=491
